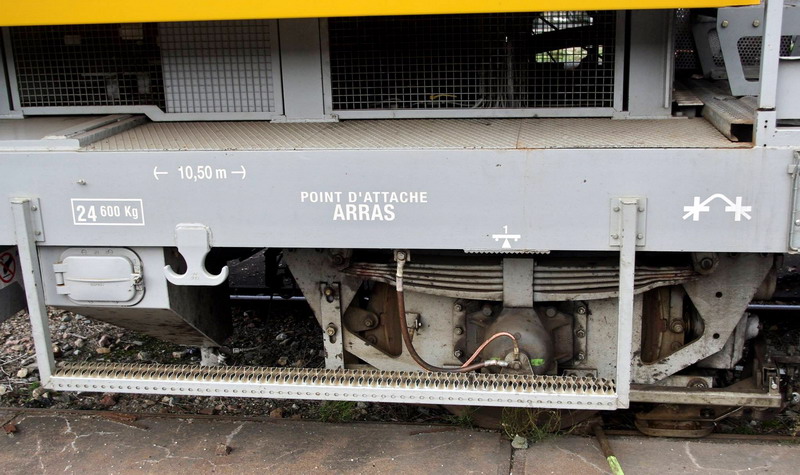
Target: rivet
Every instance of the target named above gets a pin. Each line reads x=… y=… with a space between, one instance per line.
x=615 y=236
x=81 y=181
x=616 y=209
x=797 y=222
x=640 y=236
x=756 y=23
x=725 y=23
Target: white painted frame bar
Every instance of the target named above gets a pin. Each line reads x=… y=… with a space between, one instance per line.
x=23 y=211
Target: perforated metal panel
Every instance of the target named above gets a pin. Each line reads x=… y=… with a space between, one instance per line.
x=521 y=60
x=685 y=53
x=750 y=49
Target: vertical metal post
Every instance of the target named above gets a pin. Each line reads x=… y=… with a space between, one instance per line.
x=629 y=210
x=770 y=52
x=620 y=59
x=333 y=338
x=34 y=290
x=669 y=61
x=11 y=70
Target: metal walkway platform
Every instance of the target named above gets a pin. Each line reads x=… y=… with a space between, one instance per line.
x=431 y=134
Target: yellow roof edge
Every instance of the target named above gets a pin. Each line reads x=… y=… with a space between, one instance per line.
x=65 y=12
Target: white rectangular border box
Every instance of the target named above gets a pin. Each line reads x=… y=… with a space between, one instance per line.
x=93 y=200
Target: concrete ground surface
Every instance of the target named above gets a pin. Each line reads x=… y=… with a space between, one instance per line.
x=74 y=443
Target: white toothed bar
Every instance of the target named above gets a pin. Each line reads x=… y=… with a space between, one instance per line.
x=361 y=385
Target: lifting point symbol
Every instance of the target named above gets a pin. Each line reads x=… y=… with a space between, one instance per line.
x=736 y=207
x=505 y=236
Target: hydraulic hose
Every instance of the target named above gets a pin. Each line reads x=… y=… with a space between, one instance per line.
x=401 y=315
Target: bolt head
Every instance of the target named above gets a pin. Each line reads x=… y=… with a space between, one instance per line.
x=797 y=222
x=331 y=330
x=615 y=236
x=458 y=353
x=756 y=23
x=401 y=256
x=677 y=326
x=580 y=333
x=581 y=310
x=580 y=356
x=550 y=312
x=725 y=23
x=616 y=209
x=369 y=323
x=458 y=307
x=459 y=331
x=34 y=208
x=640 y=236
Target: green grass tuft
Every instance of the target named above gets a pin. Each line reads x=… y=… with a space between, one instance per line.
x=465 y=419
x=337 y=411
x=533 y=424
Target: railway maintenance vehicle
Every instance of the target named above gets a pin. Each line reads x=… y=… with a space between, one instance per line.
x=563 y=205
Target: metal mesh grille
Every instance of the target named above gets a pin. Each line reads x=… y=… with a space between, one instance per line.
x=521 y=60
x=217 y=66
x=191 y=67
x=88 y=65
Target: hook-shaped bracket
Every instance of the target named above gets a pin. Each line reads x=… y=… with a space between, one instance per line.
x=194 y=243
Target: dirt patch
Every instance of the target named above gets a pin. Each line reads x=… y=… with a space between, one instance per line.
x=266 y=334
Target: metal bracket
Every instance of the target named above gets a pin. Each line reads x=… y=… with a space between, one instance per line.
x=36 y=218
x=194 y=244
x=735 y=23
x=794 y=225
x=331 y=313
x=24 y=224
x=616 y=234
x=631 y=213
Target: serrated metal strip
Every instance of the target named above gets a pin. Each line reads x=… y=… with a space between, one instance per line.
x=368 y=385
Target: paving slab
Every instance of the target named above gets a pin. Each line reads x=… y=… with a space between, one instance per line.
x=90 y=444
x=643 y=455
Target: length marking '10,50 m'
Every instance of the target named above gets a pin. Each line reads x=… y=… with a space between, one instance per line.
x=197 y=173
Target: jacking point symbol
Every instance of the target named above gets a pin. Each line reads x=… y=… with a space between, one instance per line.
x=505 y=236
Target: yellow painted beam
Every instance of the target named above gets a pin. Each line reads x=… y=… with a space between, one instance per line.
x=63 y=12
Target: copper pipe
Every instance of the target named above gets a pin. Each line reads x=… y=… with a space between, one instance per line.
x=401 y=315
x=491 y=339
